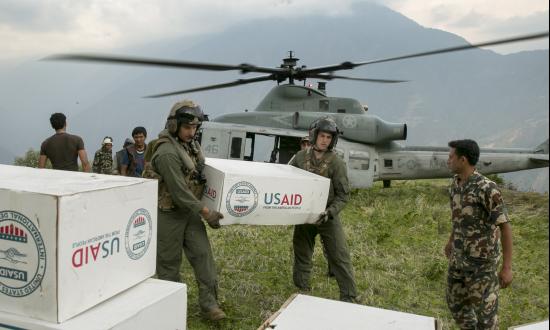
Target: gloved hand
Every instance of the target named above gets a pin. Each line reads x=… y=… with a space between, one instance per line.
x=323 y=218
x=213 y=219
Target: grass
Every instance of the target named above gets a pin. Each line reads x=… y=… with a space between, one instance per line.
x=396 y=237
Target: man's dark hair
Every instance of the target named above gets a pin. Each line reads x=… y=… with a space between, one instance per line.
x=466 y=148
x=58 y=120
x=139 y=130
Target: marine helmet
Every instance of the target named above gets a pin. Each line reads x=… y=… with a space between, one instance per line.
x=184 y=112
x=324 y=124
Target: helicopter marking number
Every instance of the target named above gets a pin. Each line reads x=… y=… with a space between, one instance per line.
x=212 y=149
x=349 y=121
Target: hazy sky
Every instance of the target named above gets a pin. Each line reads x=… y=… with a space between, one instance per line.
x=30 y=28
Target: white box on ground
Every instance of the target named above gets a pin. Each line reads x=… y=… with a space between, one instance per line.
x=151 y=304
x=542 y=325
x=263 y=193
x=71 y=240
x=302 y=312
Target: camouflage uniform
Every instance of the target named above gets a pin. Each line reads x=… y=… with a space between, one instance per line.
x=180 y=225
x=103 y=161
x=331 y=232
x=472 y=282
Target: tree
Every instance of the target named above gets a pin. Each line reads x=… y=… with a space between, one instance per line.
x=30 y=159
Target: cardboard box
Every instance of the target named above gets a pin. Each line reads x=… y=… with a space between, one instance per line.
x=152 y=304
x=70 y=240
x=263 y=193
x=542 y=325
x=302 y=312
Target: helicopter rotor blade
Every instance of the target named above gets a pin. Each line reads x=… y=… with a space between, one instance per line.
x=217 y=86
x=244 y=68
x=286 y=71
x=351 y=65
x=331 y=76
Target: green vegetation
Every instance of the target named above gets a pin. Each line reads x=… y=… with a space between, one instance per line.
x=396 y=237
x=30 y=159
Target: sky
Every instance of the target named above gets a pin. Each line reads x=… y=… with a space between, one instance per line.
x=35 y=28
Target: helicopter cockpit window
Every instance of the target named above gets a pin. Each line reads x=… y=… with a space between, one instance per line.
x=236 y=143
x=359 y=160
x=323 y=105
x=388 y=163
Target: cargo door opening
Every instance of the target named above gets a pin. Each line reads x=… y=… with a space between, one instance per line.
x=270 y=148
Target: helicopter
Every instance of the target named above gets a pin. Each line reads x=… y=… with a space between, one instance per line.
x=367 y=143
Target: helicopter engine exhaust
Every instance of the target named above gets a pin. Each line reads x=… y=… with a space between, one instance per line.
x=359 y=128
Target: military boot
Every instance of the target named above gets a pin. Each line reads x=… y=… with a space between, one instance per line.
x=349 y=299
x=214 y=314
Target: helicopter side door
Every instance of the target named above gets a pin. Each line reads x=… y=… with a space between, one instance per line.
x=360 y=162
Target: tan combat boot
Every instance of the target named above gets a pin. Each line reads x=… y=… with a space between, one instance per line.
x=214 y=314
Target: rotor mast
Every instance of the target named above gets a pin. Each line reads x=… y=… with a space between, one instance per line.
x=289 y=63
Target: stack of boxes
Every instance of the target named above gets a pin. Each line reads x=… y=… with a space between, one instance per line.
x=70 y=241
x=77 y=250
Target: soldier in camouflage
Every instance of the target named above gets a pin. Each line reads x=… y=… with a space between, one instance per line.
x=177 y=162
x=479 y=221
x=103 y=158
x=321 y=159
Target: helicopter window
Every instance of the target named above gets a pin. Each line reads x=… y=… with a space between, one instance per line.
x=323 y=105
x=236 y=143
x=263 y=145
x=359 y=160
x=341 y=110
x=388 y=163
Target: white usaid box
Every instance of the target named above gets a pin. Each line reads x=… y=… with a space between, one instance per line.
x=71 y=240
x=263 y=193
x=543 y=325
x=302 y=312
x=151 y=304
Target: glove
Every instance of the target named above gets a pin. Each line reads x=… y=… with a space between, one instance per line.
x=323 y=218
x=213 y=219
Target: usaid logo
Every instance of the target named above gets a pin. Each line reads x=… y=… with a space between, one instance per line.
x=209 y=192
x=283 y=199
x=241 y=199
x=22 y=255
x=138 y=234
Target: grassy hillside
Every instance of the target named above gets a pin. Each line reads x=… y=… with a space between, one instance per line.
x=396 y=237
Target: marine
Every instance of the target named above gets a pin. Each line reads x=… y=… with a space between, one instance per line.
x=320 y=158
x=177 y=163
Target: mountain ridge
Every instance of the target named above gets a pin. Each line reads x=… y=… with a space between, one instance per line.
x=478 y=93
